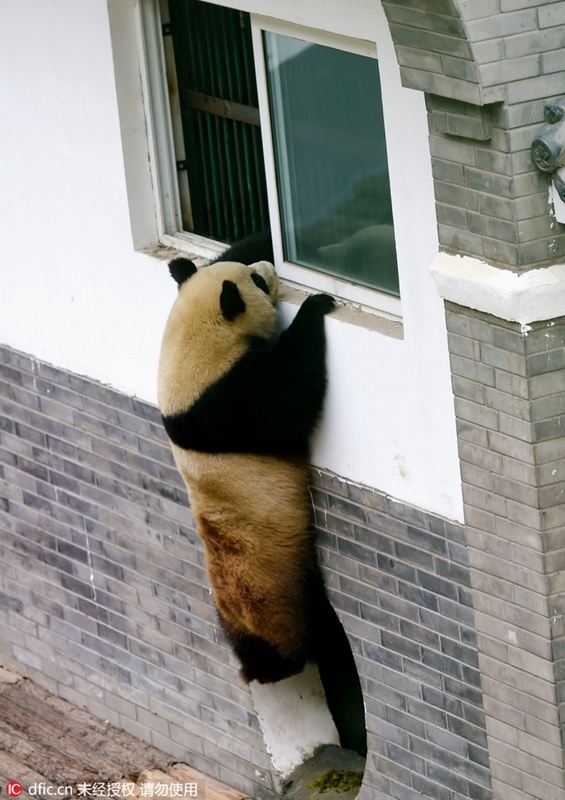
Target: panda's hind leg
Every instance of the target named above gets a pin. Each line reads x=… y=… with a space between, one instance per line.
x=260 y=661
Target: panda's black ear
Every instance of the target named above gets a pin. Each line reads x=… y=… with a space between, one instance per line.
x=231 y=301
x=181 y=269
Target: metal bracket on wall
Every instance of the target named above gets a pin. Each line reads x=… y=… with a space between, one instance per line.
x=548 y=147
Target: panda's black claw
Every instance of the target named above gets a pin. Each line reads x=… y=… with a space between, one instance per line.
x=323 y=303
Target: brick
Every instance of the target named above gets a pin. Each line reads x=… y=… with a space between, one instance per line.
x=452 y=216
x=458 y=152
x=472 y=370
x=512 y=406
x=488 y=182
x=430 y=41
x=409 y=56
x=515 y=490
x=549 y=429
x=460 y=242
x=520 y=450
x=481 y=458
x=553 y=61
x=531 y=231
x=447 y=172
x=547 y=85
x=505 y=25
x=552 y=495
x=464 y=347
x=498 y=207
x=548 y=451
x=551 y=473
x=545 y=336
x=462 y=69
x=476 y=413
x=515 y=68
x=514 y=385
x=504 y=360
x=551 y=16
x=484 y=500
x=491 y=160
x=503 y=254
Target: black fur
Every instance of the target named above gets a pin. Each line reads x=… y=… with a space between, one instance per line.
x=260 y=661
x=270 y=401
x=231 y=301
x=181 y=269
x=327 y=645
x=255 y=247
x=260 y=282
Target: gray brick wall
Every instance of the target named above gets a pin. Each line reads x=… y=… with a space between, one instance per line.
x=104 y=597
x=509 y=385
x=491 y=202
x=488 y=67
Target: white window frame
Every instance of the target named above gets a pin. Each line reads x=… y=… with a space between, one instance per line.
x=166 y=145
x=305 y=278
x=164 y=133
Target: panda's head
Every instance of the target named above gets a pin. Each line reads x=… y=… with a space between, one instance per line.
x=228 y=295
x=219 y=311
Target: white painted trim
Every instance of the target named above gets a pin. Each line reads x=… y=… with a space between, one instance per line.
x=159 y=119
x=317 y=35
x=361 y=297
x=536 y=295
x=194 y=245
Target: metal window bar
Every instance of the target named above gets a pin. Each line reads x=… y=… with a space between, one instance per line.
x=218 y=97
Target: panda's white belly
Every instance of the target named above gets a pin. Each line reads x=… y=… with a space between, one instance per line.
x=237 y=489
x=254 y=516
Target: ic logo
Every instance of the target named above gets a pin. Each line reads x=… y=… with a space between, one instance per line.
x=14 y=789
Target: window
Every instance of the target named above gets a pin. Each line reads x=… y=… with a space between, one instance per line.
x=217 y=91
x=270 y=126
x=331 y=165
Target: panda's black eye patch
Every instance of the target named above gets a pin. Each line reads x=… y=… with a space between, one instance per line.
x=260 y=282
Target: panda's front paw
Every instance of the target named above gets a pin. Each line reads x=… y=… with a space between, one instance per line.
x=322 y=303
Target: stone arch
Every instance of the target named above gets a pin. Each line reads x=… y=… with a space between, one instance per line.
x=435 y=51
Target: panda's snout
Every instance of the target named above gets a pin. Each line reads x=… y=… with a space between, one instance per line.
x=266 y=271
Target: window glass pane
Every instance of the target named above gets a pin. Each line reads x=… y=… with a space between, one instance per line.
x=331 y=158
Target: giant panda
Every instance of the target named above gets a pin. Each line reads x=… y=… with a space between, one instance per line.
x=239 y=405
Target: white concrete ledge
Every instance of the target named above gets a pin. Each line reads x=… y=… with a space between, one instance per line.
x=294 y=718
x=531 y=297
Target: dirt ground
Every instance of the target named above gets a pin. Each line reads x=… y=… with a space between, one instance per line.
x=51 y=748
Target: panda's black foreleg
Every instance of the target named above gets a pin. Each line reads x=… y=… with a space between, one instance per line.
x=304 y=339
x=270 y=400
x=300 y=356
x=260 y=661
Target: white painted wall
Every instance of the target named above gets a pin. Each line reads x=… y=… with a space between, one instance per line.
x=75 y=292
